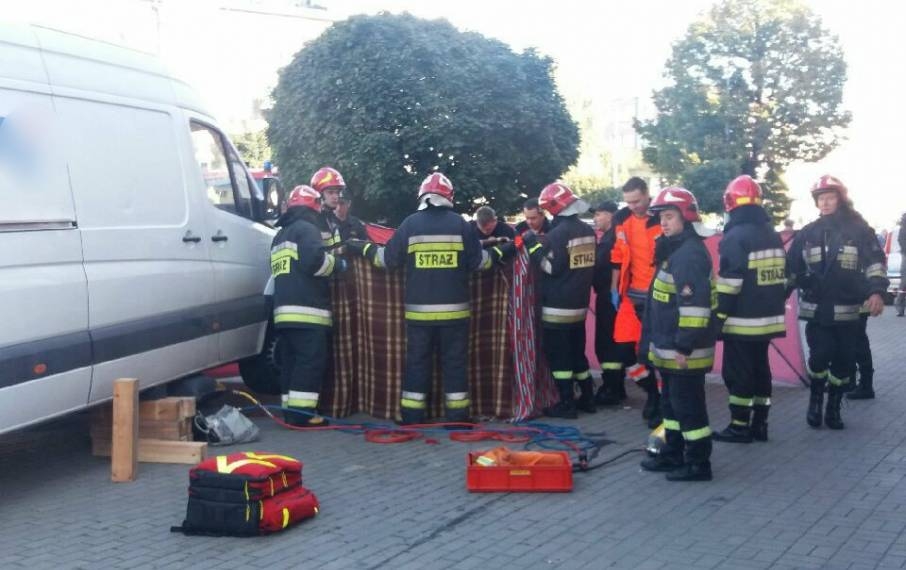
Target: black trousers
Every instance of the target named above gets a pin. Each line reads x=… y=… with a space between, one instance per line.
x=304 y=353
x=565 y=351
x=832 y=351
x=864 y=361
x=452 y=342
x=610 y=353
x=747 y=375
x=685 y=411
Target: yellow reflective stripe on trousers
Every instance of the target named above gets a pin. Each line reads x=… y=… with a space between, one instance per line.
x=412 y=404
x=582 y=375
x=611 y=366
x=671 y=424
x=459 y=401
x=820 y=375
x=562 y=374
x=440 y=312
x=302 y=399
x=697 y=434
x=737 y=401
x=761 y=401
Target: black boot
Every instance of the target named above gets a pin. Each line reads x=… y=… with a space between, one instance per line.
x=566 y=407
x=760 y=422
x=815 y=401
x=671 y=455
x=832 y=414
x=697 y=465
x=586 y=401
x=734 y=434
x=865 y=390
x=738 y=431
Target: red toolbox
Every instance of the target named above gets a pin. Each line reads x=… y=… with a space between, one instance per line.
x=515 y=479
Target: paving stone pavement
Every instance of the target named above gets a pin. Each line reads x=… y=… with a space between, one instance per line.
x=807 y=499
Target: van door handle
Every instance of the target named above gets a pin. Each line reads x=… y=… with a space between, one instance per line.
x=190 y=238
x=219 y=237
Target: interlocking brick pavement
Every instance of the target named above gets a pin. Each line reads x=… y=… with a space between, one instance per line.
x=807 y=499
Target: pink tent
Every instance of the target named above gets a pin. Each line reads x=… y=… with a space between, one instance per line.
x=787 y=357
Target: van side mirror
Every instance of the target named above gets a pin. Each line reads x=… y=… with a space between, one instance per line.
x=268 y=202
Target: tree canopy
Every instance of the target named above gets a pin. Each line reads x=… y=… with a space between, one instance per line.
x=389 y=99
x=754 y=85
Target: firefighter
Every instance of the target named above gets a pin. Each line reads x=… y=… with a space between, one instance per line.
x=751 y=299
x=636 y=230
x=567 y=263
x=301 y=267
x=838 y=266
x=611 y=392
x=678 y=322
x=329 y=183
x=439 y=250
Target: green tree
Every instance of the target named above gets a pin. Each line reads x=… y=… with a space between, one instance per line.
x=388 y=99
x=754 y=86
x=252 y=147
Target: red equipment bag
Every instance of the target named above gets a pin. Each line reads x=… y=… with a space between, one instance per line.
x=246 y=494
x=244 y=476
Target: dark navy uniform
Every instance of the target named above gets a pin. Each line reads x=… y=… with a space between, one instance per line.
x=751 y=292
x=301 y=266
x=678 y=319
x=439 y=250
x=836 y=263
x=567 y=262
x=609 y=352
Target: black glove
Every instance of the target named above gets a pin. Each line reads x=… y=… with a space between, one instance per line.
x=356 y=246
x=503 y=251
x=530 y=240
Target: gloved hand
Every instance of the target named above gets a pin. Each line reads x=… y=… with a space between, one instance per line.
x=615 y=299
x=530 y=239
x=503 y=251
x=356 y=246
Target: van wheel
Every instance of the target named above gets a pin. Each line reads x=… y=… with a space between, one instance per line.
x=261 y=373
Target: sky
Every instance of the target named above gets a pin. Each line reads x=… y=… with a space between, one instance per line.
x=611 y=53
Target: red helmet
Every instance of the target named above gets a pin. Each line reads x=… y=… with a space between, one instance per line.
x=325 y=178
x=304 y=196
x=679 y=198
x=828 y=183
x=555 y=197
x=438 y=184
x=742 y=191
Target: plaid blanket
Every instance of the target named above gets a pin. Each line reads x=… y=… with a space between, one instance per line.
x=507 y=379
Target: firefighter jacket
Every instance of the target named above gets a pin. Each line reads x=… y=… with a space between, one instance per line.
x=603 y=266
x=621 y=255
x=352 y=228
x=678 y=309
x=330 y=229
x=751 y=282
x=567 y=261
x=836 y=263
x=439 y=250
x=301 y=265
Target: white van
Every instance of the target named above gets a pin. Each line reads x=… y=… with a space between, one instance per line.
x=133 y=241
